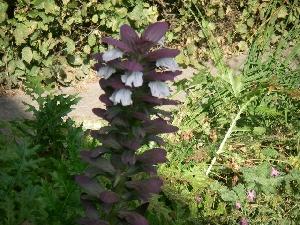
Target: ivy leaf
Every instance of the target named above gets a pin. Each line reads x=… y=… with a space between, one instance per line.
x=27 y=54
x=75 y=60
x=92 y=40
x=95 y=18
x=11 y=66
x=48 y=5
x=21 y=33
x=70 y=44
x=242 y=28
x=282 y=13
x=87 y=49
x=136 y=14
x=3 y=8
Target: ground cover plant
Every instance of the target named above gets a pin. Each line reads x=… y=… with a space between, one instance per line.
x=53 y=39
x=245 y=125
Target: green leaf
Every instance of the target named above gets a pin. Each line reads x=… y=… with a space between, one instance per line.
x=48 y=5
x=84 y=9
x=240 y=191
x=243 y=46
x=92 y=40
x=75 y=60
x=70 y=44
x=27 y=54
x=211 y=26
x=11 y=66
x=87 y=49
x=234 y=80
x=65 y=2
x=242 y=28
x=259 y=130
x=270 y=152
x=137 y=13
x=20 y=65
x=21 y=33
x=282 y=12
x=229 y=196
x=95 y=18
x=34 y=71
x=19 y=72
x=3 y=8
x=36 y=56
x=250 y=22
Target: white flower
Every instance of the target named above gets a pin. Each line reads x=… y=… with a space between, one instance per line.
x=159 y=89
x=106 y=72
x=122 y=96
x=112 y=54
x=161 y=41
x=134 y=78
x=168 y=63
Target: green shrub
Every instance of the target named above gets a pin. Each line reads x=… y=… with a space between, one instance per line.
x=39 y=158
x=53 y=39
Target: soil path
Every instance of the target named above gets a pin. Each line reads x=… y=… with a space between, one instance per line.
x=12 y=107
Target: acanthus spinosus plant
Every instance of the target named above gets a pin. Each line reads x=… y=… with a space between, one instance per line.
x=120 y=178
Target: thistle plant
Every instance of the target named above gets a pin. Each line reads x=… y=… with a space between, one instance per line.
x=121 y=176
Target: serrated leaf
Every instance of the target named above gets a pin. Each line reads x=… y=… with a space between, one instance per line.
x=27 y=54
x=234 y=80
x=270 y=152
x=34 y=71
x=211 y=26
x=65 y=2
x=243 y=46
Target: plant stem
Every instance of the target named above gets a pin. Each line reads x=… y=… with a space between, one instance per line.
x=228 y=134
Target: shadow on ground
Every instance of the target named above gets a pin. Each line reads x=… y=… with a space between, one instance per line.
x=12 y=108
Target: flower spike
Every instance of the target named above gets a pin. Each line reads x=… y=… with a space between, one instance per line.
x=133 y=84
